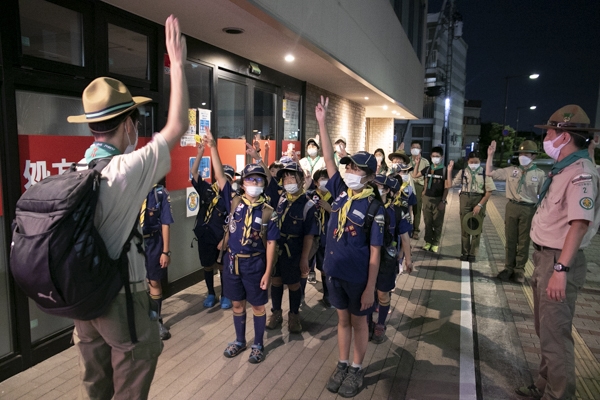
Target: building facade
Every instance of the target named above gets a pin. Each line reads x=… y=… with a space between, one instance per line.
x=471 y=125
x=366 y=57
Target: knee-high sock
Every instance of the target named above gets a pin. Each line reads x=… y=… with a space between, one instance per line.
x=303 y=285
x=325 y=288
x=276 y=296
x=384 y=307
x=260 y=321
x=209 y=278
x=222 y=286
x=295 y=299
x=239 y=322
x=158 y=298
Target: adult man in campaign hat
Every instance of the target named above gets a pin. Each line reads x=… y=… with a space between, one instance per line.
x=566 y=219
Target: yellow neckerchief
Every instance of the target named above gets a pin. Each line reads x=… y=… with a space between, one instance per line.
x=213 y=203
x=524 y=172
x=143 y=210
x=248 y=218
x=324 y=197
x=398 y=198
x=366 y=192
x=290 y=200
x=388 y=202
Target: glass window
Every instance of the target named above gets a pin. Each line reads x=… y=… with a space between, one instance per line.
x=232 y=110
x=127 y=52
x=291 y=116
x=199 y=78
x=264 y=115
x=51 y=32
x=46 y=114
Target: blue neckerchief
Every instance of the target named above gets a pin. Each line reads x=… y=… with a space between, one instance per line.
x=559 y=166
x=100 y=150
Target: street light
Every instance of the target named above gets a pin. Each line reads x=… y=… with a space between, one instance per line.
x=518 y=112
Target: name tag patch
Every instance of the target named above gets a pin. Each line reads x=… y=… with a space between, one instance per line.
x=581 y=178
x=358 y=213
x=534 y=179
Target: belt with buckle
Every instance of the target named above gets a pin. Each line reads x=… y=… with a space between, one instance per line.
x=471 y=194
x=542 y=248
x=522 y=203
x=149 y=235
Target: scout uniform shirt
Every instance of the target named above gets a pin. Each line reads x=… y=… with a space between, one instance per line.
x=296 y=219
x=465 y=179
x=423 y=163
x=347 y=253
x=156 y=212
x=522 y=184
x=212 y=212
x=573 y=194
x=310 y=165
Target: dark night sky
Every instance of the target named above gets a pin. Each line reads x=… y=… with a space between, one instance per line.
x=559 y=39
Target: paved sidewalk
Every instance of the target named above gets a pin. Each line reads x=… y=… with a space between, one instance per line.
x=423 y=357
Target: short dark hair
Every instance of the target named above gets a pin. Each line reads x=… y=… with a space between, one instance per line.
x=276 y=164
x=580 y=139
x=416 y=142
x=109 y=127
x=438 y=149
x=322 y=173
x=472 y=155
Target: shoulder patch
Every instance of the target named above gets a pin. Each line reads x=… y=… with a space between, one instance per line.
x=380 y=219
x=581 y=178
x=586 y=203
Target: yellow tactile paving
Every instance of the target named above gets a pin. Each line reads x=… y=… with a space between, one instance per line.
x=586 y=366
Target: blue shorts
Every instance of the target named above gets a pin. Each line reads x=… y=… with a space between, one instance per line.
x=154 y=247
x=246 y=285
x=386 y=282
x=207 y=247
x=288 y=269
x=346 y=295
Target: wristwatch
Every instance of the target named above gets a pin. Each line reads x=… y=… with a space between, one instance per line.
x=167 y=253
x=560 y=268
x=445 y=201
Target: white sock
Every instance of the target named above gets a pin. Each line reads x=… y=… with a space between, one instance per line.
x=359 y=366
x=344 y=362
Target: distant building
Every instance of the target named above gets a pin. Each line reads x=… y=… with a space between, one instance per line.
x=472 y=124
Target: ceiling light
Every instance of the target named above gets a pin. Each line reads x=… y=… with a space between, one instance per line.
x=532 y=107
x=233 y=30
x=534 y=76
x=289 y=58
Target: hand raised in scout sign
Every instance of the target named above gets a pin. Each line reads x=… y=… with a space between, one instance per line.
x=208 y=139
x=321 y=109
x=251 y=151
x=492 y=149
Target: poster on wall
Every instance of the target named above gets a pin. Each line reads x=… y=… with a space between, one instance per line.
x=203 y=168
x=199 y=120
x=192 y=202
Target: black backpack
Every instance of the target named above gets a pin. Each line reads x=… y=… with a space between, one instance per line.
x=389 y=254
x=57 y=256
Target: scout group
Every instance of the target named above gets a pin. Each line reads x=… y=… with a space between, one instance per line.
x=351 y=216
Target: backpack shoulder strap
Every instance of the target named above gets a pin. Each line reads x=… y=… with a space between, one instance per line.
x=235 y=202
x=371 y=211
x=267 y=213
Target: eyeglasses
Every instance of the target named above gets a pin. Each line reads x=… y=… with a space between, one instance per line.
x=255 y=181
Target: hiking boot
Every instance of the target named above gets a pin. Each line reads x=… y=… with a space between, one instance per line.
x=378 y=334
x=529 y=391
x=435 y=248
x=504 y=275
x=164 y=332
x=275 y=319
x=518 y=277
x=210 y=301
x=294 y=325
x=225 y=303
x=256 y=354
x=338 y=376
x=427 y=246
x=352 y=383
x=312 y=277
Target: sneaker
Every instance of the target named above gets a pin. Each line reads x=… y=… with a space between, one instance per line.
x=233 y=349
x=435 y=248
x=338 y=376
x=164 y=332
x=225 y=303
x=378 y=334
x=529 y=391
x=210 y=301
x=312 y=277
x=415 y=235
x=294 y=325
x=256 y=354
x=518 y=277
x=275 y=319
x=427 y=246
x=352 y=383
x=504 y=275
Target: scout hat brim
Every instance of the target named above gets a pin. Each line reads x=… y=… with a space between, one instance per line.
x=472 y=224
x=398 y=154
x=104 y=99
x=289 y=167
x=569 y=118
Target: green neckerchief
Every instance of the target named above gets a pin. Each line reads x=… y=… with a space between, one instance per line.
x=100 y=150
x=474 y=179
x=432 y=169
x=559 y=166
x=523 y=173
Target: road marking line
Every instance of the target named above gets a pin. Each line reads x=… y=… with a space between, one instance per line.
x=468 y=387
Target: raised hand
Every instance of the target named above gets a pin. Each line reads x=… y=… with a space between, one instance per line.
x=450 y=165
x=492 y=148
x=251 y=151
x=208 y=139
x=321 y=109
x=401 y=147
x=175 y=41
x=200 y=147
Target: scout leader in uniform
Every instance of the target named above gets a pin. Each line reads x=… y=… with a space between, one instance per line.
x=564 y=223
x=418 y=163
x=523 y=185
x=248 y=263
x=351 y=257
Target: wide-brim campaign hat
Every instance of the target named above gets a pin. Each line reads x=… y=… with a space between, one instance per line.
x=528 y=146
x=472 y=224
x=362 y=159
x=388 y=181
x=290 y=167
x=253 y=169
x=399 y=154
x=569 y=118
x=104 y=99
x=406 y=167
x=229 y=171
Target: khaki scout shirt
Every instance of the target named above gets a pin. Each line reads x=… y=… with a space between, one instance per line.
x=529 y=191
x=480 y=186
x=573 y=195
x=422 y=165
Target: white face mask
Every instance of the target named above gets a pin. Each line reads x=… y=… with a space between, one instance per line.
x=353 y=181
x=312 y=152
x=524 y=161
x=253 y=191
x=381 y=192
x=436 y=160
x=404 y=177
x=554 y=152
x=474 y=166
x=337 y=148
x=379 y=159
x=415 y=151
x=322 y=184
x=291 y=188
x=235 y=186
x=131 y=146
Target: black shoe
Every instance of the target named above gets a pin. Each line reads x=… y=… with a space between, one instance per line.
x=504 y=275
x=464 y=257
x=352 y=383
x=471 y=259
x=530 y=391
x=338 y=376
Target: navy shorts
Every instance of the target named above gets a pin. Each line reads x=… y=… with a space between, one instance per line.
x=288 y=269
x=346 y=295
x=154 y=248
x=246 y=285
x=386 y=282
x=207 y=247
